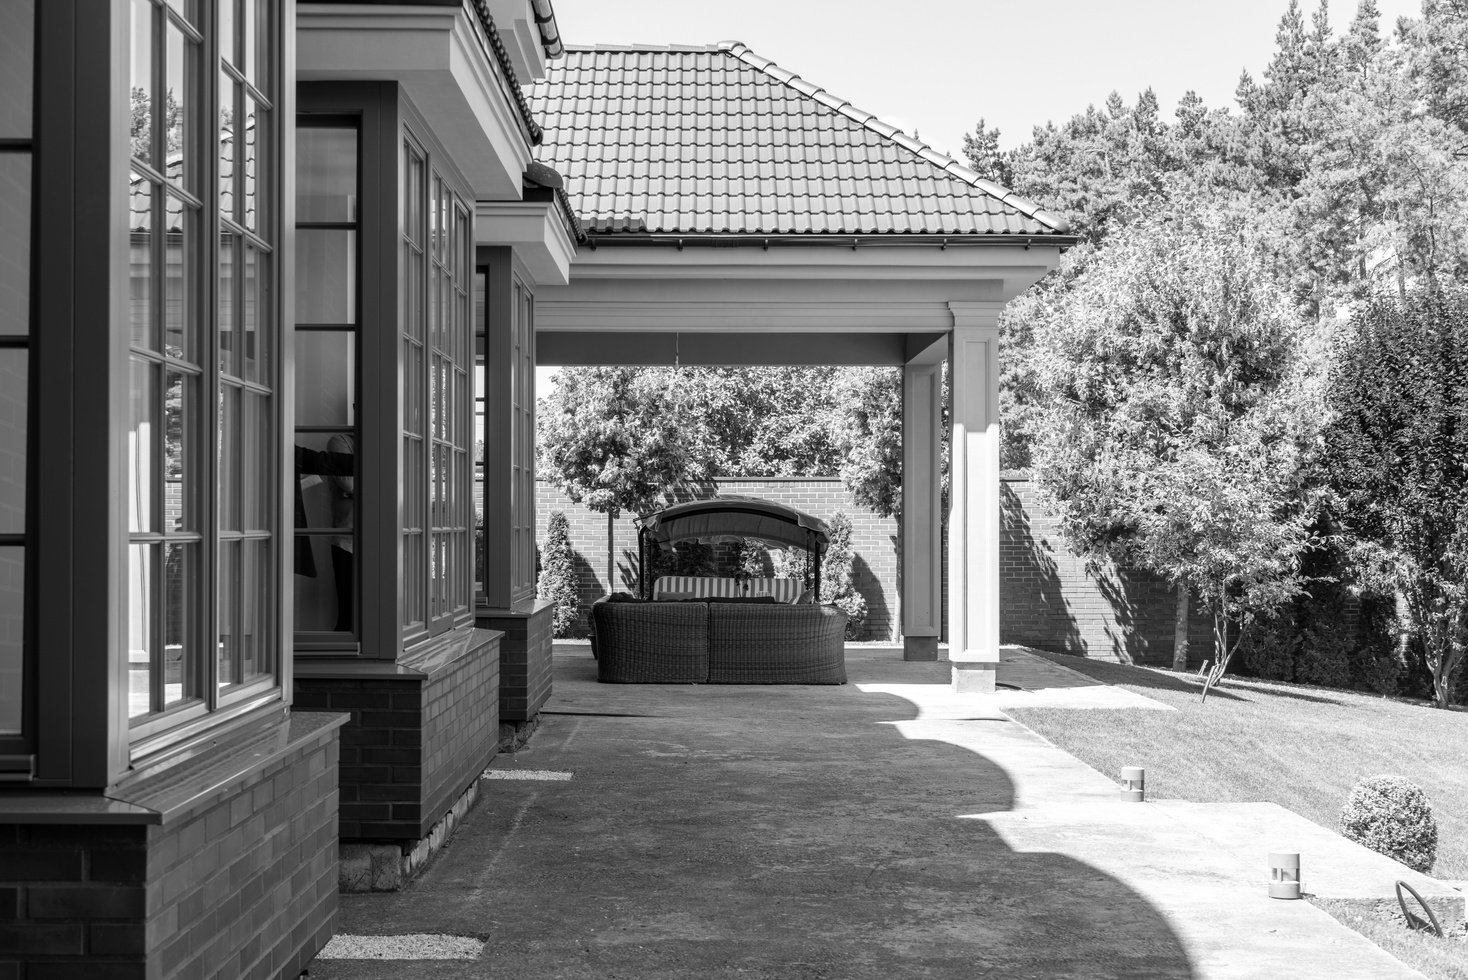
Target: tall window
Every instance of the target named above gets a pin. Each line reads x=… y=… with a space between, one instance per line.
x=327 y=381
x=437 y=398
x=17 y=62
x=522 y=442
x=201 y=445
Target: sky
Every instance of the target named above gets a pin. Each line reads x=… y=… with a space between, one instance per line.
x=937 y=66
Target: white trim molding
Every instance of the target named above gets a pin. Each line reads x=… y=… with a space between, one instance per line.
x=439 y=55
x=535 y=231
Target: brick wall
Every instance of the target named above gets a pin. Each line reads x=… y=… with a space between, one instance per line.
x=237 y=881
x=418 y=734
x=1048 y=597
x=1051 y=599
x=525 y=658
x=872 y=538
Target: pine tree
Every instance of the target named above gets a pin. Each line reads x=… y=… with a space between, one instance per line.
x=558 y=580
x=838 y=586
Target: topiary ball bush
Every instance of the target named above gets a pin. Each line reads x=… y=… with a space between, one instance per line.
x=1391 y=815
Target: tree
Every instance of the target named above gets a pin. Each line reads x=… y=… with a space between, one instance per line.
x=615 y=439
x=558 y=581
x=1398 y=445
x=1176 y=400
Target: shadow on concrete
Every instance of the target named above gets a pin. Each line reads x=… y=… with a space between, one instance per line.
x=770 y=832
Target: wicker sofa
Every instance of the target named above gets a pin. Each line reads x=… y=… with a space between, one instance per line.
x=714 y=642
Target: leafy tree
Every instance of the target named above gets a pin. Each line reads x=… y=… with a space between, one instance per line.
x=1399 y=448
x=1175 y=402
x=558 y=581
x=616 y=440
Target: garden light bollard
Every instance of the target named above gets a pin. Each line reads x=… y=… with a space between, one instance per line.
x=1133 y=784
x=1284 y=875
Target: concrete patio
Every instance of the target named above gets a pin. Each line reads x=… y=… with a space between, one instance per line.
x=885 y=828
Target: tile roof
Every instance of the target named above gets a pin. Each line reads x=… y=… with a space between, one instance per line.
x=717 y=140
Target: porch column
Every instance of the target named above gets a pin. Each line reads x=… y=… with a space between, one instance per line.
x=973 y=518
x=922 y=505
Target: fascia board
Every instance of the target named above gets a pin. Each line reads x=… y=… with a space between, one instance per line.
x=535 y=231
x=436 y=54
x=555 y=312
x=1017 y=265
x=521 y=38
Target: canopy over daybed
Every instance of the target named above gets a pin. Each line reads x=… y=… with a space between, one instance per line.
x=733 y=516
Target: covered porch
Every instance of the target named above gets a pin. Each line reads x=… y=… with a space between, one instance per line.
x=737 y=215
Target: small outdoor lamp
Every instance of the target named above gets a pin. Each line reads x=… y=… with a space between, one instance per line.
x=1284 y=875
x=1133 y=784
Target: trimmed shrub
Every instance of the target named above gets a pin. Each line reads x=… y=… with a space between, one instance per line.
x=557 y=581
x=837 y=586
x=1391 y=816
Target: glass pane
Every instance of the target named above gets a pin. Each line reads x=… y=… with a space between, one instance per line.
x=412 y=388
x=256 y=121
x=229 y=356
x=229 y=459
x=179 y=414
x=181 y=255
x=256 y=316
x=326 y=275
x=142 y=80
x=226 y=32
x=142 y=442
x=188 y=8
x=17 y=68
x=435 y=311
x=326 y=377
x=229 y=102
x=181 y=61
x=180 y=661
x=229 y=590
x=413 y=197
x=13 y=387
x=257 y=469
x=250 y=28
x=141 y=641
x=140 y=263
x=15 y=243
x=12 y=639
x=254 y=635
x=326 y=174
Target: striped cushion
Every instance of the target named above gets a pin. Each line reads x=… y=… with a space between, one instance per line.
x=783 y=589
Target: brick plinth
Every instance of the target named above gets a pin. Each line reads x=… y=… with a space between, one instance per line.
x=525 y=656
x=221 y=866
x=421 y=730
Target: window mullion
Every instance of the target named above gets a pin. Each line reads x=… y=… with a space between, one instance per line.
x=208 y=311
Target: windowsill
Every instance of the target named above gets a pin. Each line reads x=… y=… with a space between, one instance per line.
x=423 y=659
x=180 y=787
x=524 y=607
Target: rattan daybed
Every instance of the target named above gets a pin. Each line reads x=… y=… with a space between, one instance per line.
x=718 y=642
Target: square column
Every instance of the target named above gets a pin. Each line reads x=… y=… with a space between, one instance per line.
x=922 y=513
x=973 y=520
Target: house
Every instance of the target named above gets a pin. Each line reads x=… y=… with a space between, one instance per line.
x=269 y=272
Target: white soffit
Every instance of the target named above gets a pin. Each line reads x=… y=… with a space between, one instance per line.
x=535 y=231
x=515 y=21
x=802 y=289
x=443 y=60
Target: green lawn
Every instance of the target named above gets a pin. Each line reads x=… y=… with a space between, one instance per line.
x=1300 y=747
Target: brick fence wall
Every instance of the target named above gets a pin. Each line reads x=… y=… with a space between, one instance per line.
x=1048 y=597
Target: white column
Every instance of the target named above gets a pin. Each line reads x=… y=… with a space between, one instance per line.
x=973 y=517
x=922 y=515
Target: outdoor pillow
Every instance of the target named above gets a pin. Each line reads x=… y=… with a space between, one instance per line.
x=806 y=597
x=676 y=596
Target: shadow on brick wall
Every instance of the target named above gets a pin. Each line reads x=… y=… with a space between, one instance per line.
x=879 y=616
x=1032 y=595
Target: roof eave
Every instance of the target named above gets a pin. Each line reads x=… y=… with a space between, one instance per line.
x=891 y=239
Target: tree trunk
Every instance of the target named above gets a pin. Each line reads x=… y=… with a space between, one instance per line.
x=1180 y=628
x=611 y=553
